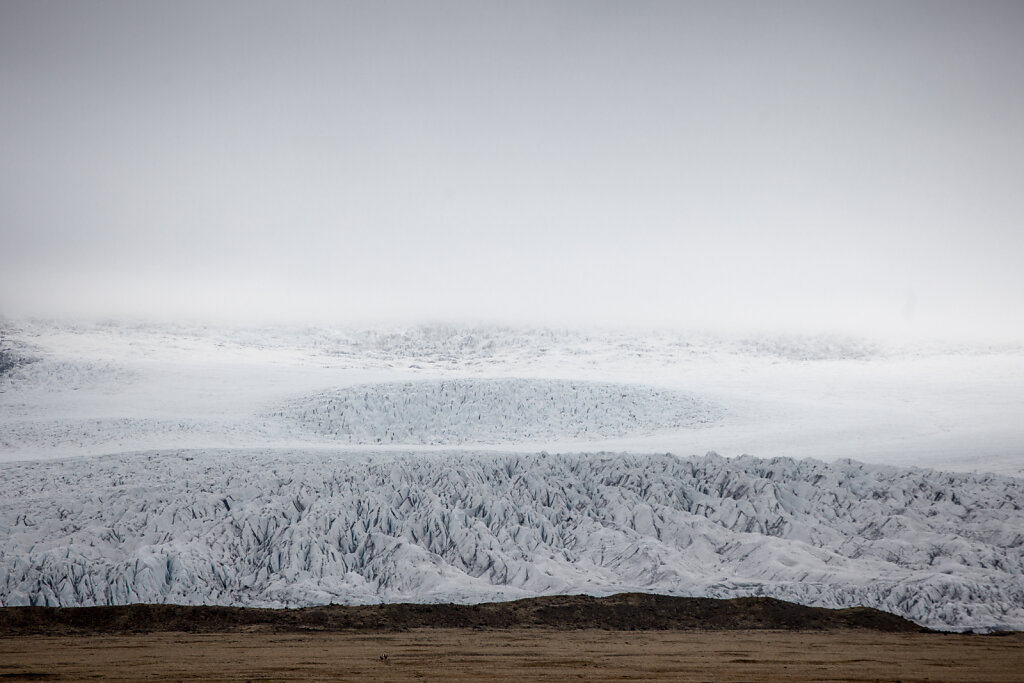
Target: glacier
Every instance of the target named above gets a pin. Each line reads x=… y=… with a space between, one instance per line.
x=85 y=389
x=268 y=527
x=296 y=466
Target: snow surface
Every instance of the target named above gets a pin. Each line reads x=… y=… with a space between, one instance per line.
x=295 y=528
x=201 y=465
x=97 y=389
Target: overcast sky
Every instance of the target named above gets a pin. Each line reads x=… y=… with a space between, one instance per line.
x=855 y=166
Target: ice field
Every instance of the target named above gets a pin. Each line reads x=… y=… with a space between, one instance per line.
x=288 y=466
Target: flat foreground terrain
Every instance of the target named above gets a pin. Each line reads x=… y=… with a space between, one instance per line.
x=518 y=655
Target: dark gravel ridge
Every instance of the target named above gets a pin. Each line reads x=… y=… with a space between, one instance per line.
x=625 y=612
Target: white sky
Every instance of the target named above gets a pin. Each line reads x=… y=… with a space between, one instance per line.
x=855 y=166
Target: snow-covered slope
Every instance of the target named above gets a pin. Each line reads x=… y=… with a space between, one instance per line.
x=491 y=411
x=295 y=528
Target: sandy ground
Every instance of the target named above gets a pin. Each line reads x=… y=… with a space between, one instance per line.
x=518 y=655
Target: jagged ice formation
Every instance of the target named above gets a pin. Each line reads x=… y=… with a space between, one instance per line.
x=278 y=528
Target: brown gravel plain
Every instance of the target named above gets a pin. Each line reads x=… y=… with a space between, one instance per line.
x=518 y=654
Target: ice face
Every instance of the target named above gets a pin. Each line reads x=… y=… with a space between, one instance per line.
x=285 y=528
